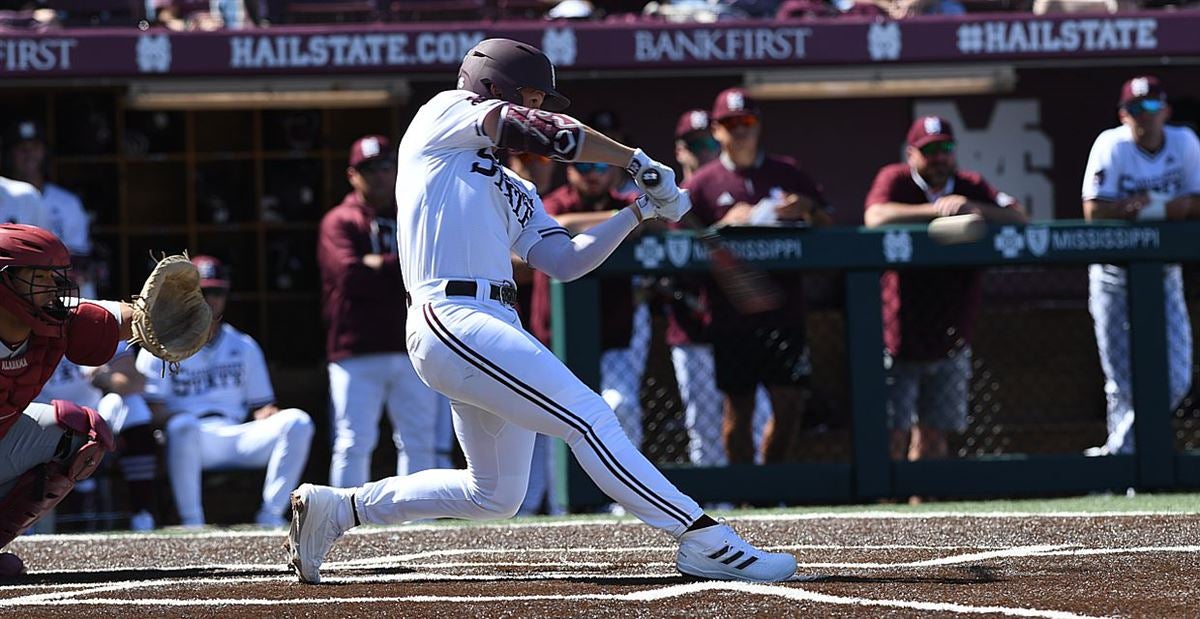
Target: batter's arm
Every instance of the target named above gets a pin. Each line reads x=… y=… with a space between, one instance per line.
x=567 y=259
x=520 y=128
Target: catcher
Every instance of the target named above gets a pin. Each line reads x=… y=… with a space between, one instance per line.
x=46 y=448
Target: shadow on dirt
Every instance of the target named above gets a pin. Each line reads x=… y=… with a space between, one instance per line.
x=971 y=575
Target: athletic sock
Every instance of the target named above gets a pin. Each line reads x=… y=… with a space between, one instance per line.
x=703 y=522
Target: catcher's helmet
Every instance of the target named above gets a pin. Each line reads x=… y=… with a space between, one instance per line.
x=27 y=249
x=510 y=65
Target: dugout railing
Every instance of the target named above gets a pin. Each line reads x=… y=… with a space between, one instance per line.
x=859 y=256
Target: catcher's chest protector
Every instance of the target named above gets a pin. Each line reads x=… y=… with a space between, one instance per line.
x=21 y=378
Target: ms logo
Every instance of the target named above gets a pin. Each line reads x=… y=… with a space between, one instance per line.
x=154 y=53
x=649 y=252
x=560 y=46
x=883 y=41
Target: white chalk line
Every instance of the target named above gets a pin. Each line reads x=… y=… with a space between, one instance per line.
x=611 y=521
x=650 y=595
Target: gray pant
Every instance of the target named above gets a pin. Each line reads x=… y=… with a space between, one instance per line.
x=1109 y=305
x=30 y=441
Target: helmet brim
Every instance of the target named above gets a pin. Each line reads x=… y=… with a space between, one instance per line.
x=554 y=101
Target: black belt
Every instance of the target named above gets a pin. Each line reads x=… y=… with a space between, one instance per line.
x=503 y=293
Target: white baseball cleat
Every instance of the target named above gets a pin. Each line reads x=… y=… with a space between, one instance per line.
x=314 y=529
x=718 y=553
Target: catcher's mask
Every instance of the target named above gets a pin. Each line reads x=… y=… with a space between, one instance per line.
x=35 y=282
x=510 y=66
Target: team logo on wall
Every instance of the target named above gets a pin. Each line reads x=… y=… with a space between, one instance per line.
x=679 y=250
x=559 y=46
x=883 y=41
x=649 y=252
x=1009 y=242
x=1037 y=239
x=897 y=246
x=154 y=53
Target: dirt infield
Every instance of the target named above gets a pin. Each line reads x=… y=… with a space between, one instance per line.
x=856 y=565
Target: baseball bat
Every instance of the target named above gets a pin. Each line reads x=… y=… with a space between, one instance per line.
x=749 y=290
x=958 y=229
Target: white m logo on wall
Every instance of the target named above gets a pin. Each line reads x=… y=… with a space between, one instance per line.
x=1011 y=152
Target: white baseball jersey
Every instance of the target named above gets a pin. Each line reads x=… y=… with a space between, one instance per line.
x=67 y=219
x=1117 y=168
x=228 y=376
x=21 y=203
x=73 y=383
x=460 y=212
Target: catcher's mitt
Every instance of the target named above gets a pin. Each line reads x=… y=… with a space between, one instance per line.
x=170 y=317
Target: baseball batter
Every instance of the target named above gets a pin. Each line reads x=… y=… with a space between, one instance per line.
x=1141 y=170
x=460 y=213
x=207 y=402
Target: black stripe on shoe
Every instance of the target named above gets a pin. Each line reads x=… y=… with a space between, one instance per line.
x=747 y=563
x=529 y=393
x=733 y=557
x=718 y=553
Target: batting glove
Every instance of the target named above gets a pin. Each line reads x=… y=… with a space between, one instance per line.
x=672 y=210
x=652 y=177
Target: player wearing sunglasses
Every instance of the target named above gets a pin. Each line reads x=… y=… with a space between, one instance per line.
x=1140 y=170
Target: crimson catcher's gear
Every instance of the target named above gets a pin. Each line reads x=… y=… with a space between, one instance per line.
x=42 y=302
x=510 y=66
x=41 y=488
x=170 y=317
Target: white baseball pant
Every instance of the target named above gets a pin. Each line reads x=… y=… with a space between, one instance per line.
x=279 y=442
x=505 y=386
x=1109 y=306
x=359 y=388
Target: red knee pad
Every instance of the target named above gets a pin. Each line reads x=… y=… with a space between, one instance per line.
x=36 y=492
x=83 y=421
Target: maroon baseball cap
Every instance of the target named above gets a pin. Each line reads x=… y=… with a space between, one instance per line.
x=213 y=273
x=733 y=102
x=690 y=121
x=370 y=148
x=1142 y=87
x=929 y=129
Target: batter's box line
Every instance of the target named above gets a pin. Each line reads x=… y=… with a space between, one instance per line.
x=649 y=595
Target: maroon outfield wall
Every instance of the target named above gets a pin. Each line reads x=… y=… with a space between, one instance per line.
x=597 y=46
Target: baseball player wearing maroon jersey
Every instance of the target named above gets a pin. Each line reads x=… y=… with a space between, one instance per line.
x=929 y=315
x=460 y=215
x=745 y=185
x=45 y=449
x=363 y=307
x=1141 y=170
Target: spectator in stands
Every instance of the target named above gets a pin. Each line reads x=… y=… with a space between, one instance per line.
x=694 y=143
x=363 y=297
x=929 y=315
x=1141 y=170
x=746 y=185
x=205 y=406
x=29 y=160
x=203 y=15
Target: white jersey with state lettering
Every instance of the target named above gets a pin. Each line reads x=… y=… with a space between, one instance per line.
x=228 y=376
x=21 y=203
x=460 y=213
x=1117 y=168
x=67 y=219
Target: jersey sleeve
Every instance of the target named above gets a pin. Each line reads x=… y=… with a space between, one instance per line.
x=259 y=392
x=75 y=226
x=92 y=335
x=456 y=121
x=1099 y=178
x=541 y=225
x=157 y=385
x=882 y=188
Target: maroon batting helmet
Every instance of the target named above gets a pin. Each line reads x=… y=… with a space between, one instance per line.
x=25 y=248
x=510 y=66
